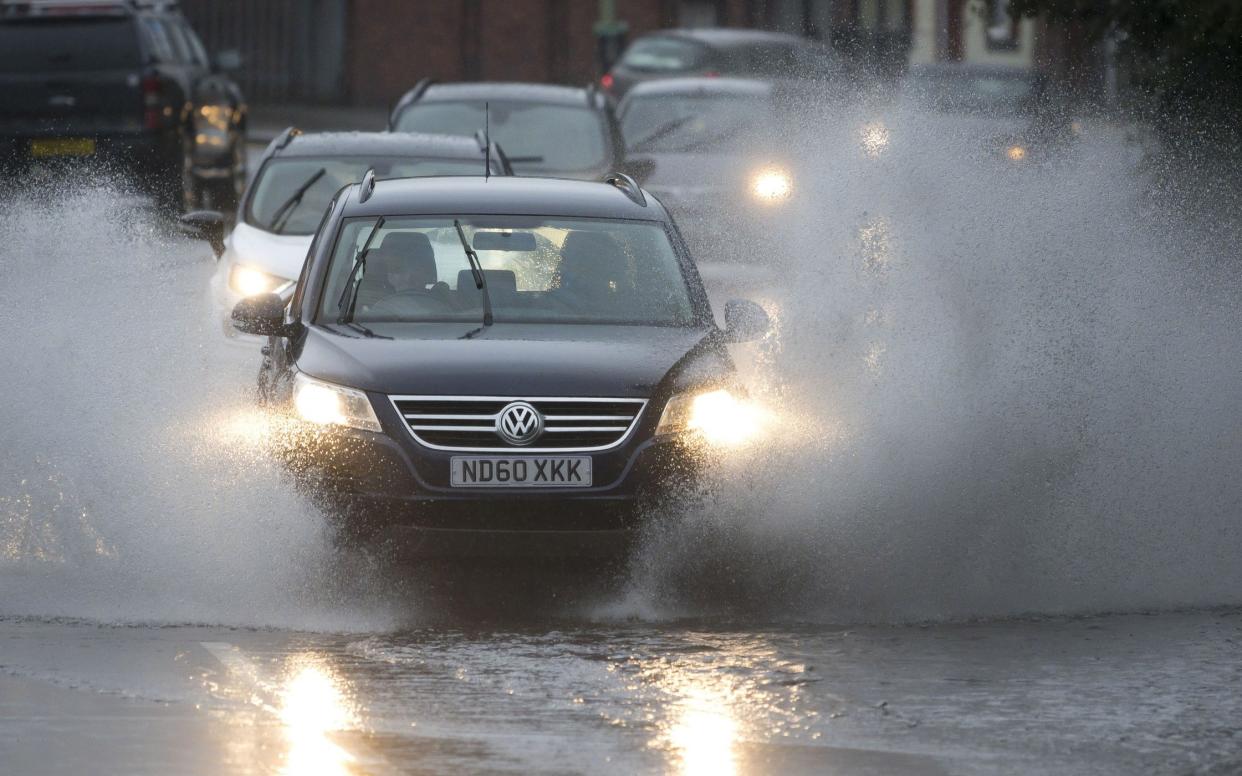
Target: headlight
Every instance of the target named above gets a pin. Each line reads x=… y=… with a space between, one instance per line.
x=1016 y=153
x=249 y=281
x=718 y=416
x=772 y=185
x=328 y=404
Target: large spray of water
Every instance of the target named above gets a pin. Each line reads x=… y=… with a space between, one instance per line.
x=995 y=390
x=998 y=389
x=132 y=484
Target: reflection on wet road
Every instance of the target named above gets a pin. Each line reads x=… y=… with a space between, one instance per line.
x=1117 y=694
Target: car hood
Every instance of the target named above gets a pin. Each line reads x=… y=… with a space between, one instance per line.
x=281 y=255
x=698 y=171
x=507 y=359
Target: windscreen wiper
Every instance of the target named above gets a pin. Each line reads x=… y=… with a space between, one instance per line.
x=349 y=294
x=662 y=131
x=476 y=269
x=287 y=207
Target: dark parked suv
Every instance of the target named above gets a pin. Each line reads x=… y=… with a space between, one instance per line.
x=509 y=364
x=124 y=85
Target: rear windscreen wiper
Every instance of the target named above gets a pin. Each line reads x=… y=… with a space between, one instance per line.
x=287 y=207
x=349 y=294
x=476 y=269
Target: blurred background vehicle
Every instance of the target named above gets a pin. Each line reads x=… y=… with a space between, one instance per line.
x=547 y=131
x=298 y=176
x=1006 y=111
x=127 y=85
x=710 y=149
x=720 y=52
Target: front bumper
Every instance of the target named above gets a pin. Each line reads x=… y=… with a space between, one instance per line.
x=380 y=481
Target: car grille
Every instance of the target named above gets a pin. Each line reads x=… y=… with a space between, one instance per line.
x=468 y=423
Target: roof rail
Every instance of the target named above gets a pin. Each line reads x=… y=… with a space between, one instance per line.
x=628 y=186
x=286 y=137
x=419 y=89
x=367 y=187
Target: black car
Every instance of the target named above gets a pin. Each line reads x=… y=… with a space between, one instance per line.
x=714 y=52
x=553 y=131
x=714 y=151
x=126 y=86
x=521 y=361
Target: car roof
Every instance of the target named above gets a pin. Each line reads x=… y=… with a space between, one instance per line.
x=735 y=86
x=474 y=195
x=727 y=37
x=316 y=144
x=507 y=91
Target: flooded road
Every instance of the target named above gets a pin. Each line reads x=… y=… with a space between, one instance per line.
x=1118 y=694
x=1017 y=396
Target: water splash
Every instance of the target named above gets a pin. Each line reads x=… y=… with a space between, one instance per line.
x=133 y=486
x=1017 y=389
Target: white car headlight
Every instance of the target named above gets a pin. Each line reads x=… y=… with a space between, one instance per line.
x=328 y=404
x=718 y=416
x=772 y=184
x=249 y=281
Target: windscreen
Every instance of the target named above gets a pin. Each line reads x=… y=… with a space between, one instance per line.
x=972 y=92
x=537 y=137
x=679 y=123
x=537 y=270
x=276 y=206
x=664 y=55
x=66 y=45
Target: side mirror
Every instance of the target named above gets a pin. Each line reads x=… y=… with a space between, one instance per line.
x=228 y=61
x=745 y=321
x=205 y=225
x=263 y=314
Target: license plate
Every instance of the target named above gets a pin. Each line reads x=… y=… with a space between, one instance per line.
x=62 y=146
x=563 y=471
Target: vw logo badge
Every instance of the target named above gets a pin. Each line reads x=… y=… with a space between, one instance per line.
x=519 y=423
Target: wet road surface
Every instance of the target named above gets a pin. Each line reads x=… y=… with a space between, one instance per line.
x=1118 y=694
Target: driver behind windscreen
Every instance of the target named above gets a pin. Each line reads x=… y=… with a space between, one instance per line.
x=402 y=267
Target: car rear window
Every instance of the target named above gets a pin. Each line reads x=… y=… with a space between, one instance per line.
x=664 y=55
x=538 y=138
x=64 y=45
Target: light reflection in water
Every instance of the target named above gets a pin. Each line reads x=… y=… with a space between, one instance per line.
x=703 y=733
x=313 y=706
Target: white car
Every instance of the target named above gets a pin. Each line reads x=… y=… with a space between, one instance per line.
x=297 y=179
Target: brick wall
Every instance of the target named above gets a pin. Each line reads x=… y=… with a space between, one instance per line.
x=393 y=43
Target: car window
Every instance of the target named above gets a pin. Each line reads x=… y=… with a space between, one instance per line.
x=181 y=46
x=280 y=180
x=693 y=122
x=538 y=270
x=537 y=137
x=158 y=40
x=65 y=45
x=664 y=55
x=197 y=50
